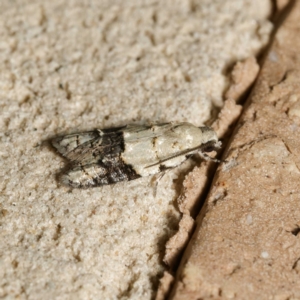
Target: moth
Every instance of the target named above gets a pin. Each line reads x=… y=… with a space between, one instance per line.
x=107 y=156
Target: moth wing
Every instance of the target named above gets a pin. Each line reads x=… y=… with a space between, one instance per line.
x=83 y=176
x=88 y=153
x=90 y=147
x=199 y=149
x=65 y=144
x=134 y=133
x=98 y=174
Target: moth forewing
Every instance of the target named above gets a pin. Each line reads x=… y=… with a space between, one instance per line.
x=67 y=143
x=111 y=155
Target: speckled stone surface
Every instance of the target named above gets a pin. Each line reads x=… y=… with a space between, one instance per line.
x=68 y=66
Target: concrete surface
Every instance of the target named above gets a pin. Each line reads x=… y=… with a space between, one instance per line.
x=68 y=66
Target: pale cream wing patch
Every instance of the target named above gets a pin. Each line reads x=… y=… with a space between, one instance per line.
x=135 y=133
x=83 y=176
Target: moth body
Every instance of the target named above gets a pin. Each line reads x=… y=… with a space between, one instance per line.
x=107 y=156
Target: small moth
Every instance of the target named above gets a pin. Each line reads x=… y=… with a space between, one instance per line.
x=107 y=156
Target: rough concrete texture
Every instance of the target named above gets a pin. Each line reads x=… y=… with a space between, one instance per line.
x=196 y=182
x=246 y=244
x=68 y=66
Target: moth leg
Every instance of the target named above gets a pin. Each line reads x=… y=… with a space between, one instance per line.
x=156 y=178
x=209 y=158
x=154 y=182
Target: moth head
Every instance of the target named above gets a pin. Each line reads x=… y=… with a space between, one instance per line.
x=209 y=138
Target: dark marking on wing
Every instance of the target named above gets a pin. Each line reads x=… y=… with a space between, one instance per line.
x=67 y=143
x=154 y=143
x=112 y=171
x=163 y=167
x=174 y=145
x=154 y=140
x=113 y=129
x=95 y=158
x=99 y=144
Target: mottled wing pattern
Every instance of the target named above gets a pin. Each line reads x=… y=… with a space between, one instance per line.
x=94 y=157
x=65 y=144
x=90 y=147
x=104 y=172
